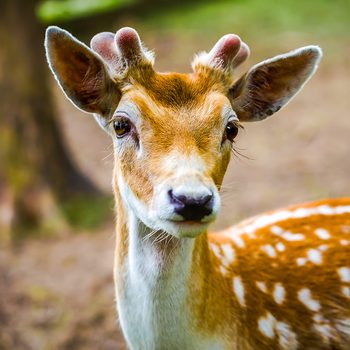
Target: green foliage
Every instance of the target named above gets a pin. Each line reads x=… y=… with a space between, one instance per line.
x=87 y=212
x=266 y=23
x=84 y=212
x=65 y=10
x=258 y=18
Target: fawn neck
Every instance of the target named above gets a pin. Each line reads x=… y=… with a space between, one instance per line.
x=162 y=284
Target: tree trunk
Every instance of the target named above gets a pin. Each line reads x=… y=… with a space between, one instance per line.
x=35 y=169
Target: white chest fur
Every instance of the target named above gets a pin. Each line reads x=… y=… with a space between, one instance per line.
x=152 y=301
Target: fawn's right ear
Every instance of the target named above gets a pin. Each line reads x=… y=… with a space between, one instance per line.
x=81 y=73
x=271 y=84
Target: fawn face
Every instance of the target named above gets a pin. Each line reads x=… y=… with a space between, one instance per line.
x=171 y=156
x=172 y=132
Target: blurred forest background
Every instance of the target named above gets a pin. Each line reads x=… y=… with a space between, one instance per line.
x=56 y=208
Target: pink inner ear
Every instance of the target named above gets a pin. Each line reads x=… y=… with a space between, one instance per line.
x=226 y=49
x=103 y=44
x=128 y=42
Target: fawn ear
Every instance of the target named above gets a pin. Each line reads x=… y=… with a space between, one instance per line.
x=271 y=84
x=80 y=73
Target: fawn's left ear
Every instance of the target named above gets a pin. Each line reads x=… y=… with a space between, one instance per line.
x=271 y=84
x=80 y=72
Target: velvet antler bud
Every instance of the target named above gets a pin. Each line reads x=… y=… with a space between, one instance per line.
x=228 y=53
x=121 y=50
x=104 y=45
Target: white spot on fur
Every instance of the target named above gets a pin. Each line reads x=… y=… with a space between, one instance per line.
x=238 y=240
x=283 y=215
x=344 y=273
x=301 y=261
x=276 y=230
x=215 y=249
x=325 y=210
x=229 y=254
x=318 y=318
x=305 y=297
x=269 y=250
x=323 y=327
x=238 y=288
x=280 y=247
x=346 y=292
x=323 y=247
x=324 y=330
x=267 y=325
x=236 y=233
x=314 y=256
x=262 y=286
x=289 y=236
x=279 y=293
x=226 y=257
x=223 y=270
x=343 y=326
x=322 y=233
x=344 y=242
x=286 y=337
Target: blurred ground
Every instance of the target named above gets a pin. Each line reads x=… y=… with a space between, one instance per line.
x=58 y=293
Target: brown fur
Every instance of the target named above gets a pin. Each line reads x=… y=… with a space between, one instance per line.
x=252 y=265
x=168 y=125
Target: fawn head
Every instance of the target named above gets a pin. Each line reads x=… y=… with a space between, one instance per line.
x=172 y=132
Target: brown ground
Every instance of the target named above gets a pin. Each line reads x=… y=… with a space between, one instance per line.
x=58 y=293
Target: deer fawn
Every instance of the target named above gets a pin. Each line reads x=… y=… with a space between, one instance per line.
x=277 y=281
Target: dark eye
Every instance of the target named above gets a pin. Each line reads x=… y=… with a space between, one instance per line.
x=231 y=131
x=122 y=126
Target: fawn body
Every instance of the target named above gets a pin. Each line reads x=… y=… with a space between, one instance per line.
x=277 y=281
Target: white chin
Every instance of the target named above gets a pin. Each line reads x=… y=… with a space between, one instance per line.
x=182 y=229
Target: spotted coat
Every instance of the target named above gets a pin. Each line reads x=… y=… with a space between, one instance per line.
x=288 y=276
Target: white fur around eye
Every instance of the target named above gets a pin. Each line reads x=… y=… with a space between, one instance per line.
x=228 y=114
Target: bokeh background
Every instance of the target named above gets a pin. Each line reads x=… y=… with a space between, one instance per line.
x=56 y=208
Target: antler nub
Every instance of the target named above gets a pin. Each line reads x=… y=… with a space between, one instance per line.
x=125 y=50
x=103 y=44
x=228 y=53
x=121 y=50
x=131 y=49
x=128 y=43
x=225 y=49
x=241 y=56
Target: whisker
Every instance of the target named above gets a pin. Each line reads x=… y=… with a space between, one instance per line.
x=238 y=153
x=107 y=156
x=229 y=186
x=161 y=237
x=149 y=235
x=110 y=152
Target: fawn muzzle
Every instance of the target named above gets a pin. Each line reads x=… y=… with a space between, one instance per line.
x=192 y=208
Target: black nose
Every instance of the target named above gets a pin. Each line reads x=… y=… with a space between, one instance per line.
x=192 y=208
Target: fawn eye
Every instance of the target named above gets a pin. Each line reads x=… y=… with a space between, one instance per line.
x=122 y=126
x=231 y=131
